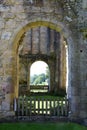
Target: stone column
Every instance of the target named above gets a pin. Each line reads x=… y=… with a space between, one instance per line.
x=35 y=40
x=51 y=41
x=28 y=76
x=74 y=82
x=63 y=66
x=7 y=83
x=52 y=75
x=57 y=74
x=57 y=61
x=60 y=62
x=43 y=40
x=83 y=75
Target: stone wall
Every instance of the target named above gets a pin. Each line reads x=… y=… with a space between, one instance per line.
x=17 y=17
x=38 y=41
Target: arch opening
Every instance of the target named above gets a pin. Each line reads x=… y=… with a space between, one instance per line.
x=39 y=77
x=54 y=85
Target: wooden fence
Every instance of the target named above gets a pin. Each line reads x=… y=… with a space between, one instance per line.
x=33 y=88
x=43 y=87
x=39 y=88
x=32 y=106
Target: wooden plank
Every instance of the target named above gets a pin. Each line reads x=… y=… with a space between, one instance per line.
x=42 y=106
x=26 y=109
x=61 y=107
x=46 y=106
x=50 y=107
x=30 y=108
x=38 y=106
x=45 y=87
x=54 y=107
x=19 y=108
x=34 y=106
x=58 y=108
x=22 y=106
x=66 y=107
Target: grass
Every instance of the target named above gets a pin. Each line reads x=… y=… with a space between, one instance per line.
x=43 y=97
x=41 y=126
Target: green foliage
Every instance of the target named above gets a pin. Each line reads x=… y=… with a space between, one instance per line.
x=40 y=79
x=33 y=78
x=42 y=126
x=47 y=72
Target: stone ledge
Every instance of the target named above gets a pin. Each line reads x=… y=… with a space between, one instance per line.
x=5 y=114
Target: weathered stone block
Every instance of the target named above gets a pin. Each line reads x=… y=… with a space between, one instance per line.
x=2 y=24
x=8 y=16
x=83 y=114
x=84 y=4
x=4 y=8
x=6 y=35
x=17 y=9
x=5 y=106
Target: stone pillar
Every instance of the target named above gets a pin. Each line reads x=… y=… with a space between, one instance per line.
x=43 y=40
x=7 y=83
x=63 y=66
x=60 y=62
x=74 y=76
x=27 y=42
x=57 y=51
x=57 y=74
x=28 y=76
x=52 y=75
x=83 y=75
x=35 y=40
x=51 y=41
x=22 y=78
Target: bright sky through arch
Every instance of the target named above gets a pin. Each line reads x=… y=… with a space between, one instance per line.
x=38 y=67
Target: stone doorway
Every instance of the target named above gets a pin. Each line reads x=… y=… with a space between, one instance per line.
x=46 y=44
x=39 y=77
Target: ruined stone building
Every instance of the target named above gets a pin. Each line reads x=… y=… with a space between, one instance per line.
x=46 y=30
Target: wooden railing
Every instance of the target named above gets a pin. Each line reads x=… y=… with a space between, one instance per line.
x=33 y=88
x=43 y=87
x=32 y=106
x=39 y=88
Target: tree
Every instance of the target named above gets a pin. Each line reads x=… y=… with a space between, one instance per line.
x=47 y=72
x=40 y=79
x=33 y=78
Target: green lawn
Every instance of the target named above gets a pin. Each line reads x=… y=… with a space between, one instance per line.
x=41 y=126
x=43 y=97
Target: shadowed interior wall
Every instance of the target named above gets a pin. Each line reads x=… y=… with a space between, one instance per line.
x=42 y=43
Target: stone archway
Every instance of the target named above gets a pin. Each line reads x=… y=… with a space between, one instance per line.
x=20 y=36
x=28 y=60
x=64 y=32
x=39 y=77
x=53 y=54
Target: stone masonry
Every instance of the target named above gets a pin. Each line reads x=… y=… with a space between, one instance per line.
x=28 y=28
